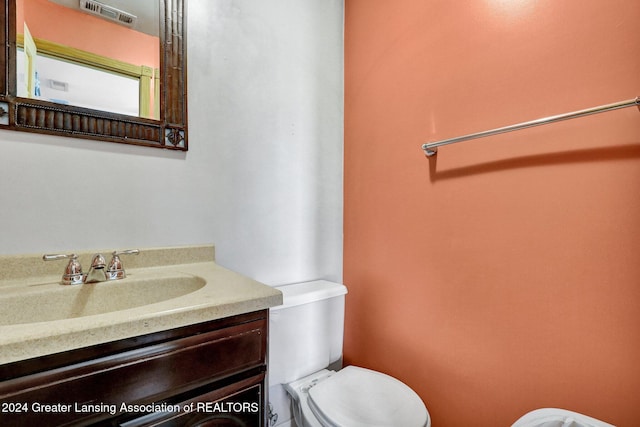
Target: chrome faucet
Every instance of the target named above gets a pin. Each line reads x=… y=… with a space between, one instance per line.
x=98 y=272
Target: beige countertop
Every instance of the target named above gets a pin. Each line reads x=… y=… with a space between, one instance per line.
x=213 y=293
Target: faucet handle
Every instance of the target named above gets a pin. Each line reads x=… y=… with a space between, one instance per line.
x=73 y=272
x=126 y=252
x=116 y=269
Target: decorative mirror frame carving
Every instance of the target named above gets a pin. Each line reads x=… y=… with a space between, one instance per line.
x=32 y=115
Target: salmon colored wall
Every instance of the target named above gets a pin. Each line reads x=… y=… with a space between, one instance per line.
x=503 y=275
x=82 y=31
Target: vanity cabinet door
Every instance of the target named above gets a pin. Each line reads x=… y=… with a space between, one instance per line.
x=238 y=405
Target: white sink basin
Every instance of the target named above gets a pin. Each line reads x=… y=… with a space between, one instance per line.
x=48 y=302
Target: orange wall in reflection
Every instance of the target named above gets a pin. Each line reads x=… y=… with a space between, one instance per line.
x=55 y=23
x=501 y=276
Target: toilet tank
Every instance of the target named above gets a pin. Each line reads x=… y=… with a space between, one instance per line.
x=306 y=331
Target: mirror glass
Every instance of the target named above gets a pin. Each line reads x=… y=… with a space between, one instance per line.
x=103 y=55
x=108 y=70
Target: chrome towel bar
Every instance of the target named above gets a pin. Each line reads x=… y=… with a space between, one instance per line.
x=431 y=148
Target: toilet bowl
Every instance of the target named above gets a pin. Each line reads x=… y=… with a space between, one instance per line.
x=355 y=397
x=305 y=357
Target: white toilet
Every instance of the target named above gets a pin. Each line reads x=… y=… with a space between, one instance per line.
x=305 y=356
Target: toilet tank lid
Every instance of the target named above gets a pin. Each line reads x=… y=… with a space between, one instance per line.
x=306 y=292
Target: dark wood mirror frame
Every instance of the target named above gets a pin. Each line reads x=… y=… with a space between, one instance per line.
x=32 y=115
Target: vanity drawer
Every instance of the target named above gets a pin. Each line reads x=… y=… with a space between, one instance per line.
x=143 y=375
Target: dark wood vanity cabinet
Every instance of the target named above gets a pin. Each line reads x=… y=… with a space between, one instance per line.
x=208 y=374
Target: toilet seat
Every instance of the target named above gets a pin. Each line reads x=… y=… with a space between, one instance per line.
x=359 y=397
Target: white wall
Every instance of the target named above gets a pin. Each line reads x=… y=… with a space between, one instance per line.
x=262 y=179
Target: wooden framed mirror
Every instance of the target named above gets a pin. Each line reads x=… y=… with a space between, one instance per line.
x=160 y=118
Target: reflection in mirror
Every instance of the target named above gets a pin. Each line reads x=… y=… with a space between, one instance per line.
x=90 y=54
x=38 y=57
